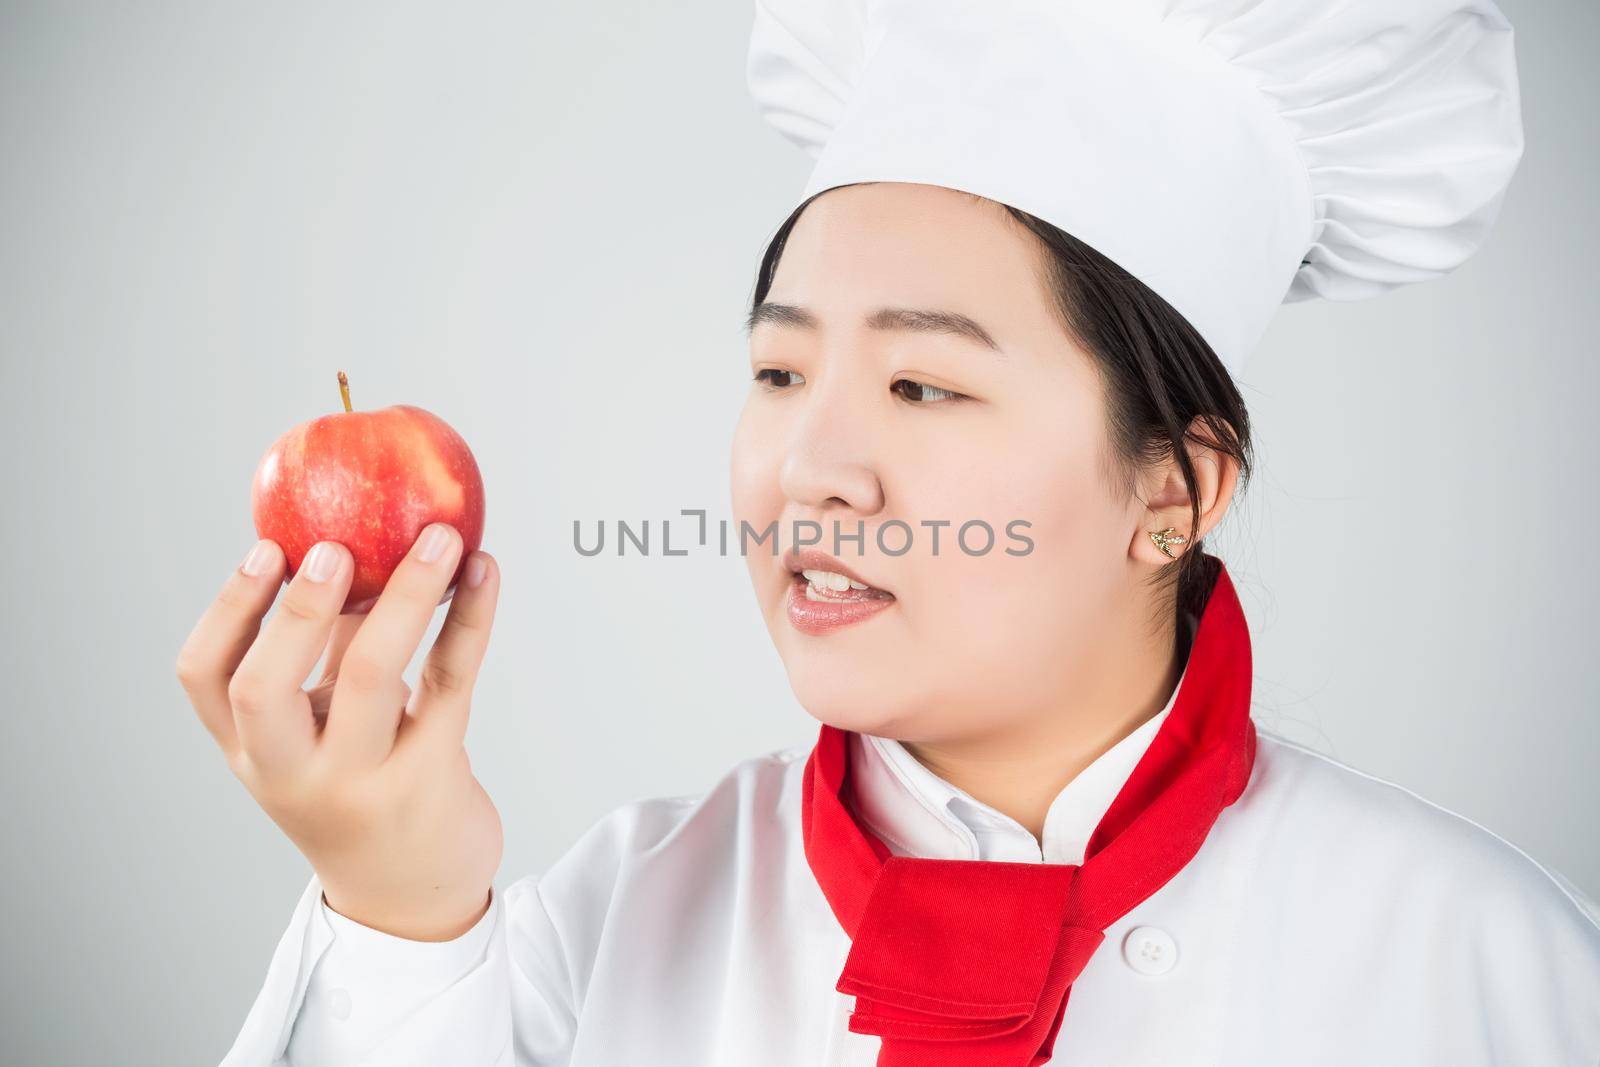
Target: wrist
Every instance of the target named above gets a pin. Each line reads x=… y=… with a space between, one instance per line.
x=446 y=922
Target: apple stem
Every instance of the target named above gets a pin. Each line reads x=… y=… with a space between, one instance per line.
x=344 y=391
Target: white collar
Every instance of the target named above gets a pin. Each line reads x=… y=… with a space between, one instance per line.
x=918 y=813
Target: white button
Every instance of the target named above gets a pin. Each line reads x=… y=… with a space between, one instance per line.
x=339 y=1003
x=1149 y=950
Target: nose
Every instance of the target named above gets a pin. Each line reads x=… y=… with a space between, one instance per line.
x=829 y=466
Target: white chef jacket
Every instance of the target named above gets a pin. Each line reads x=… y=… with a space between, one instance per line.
x=1330 y=918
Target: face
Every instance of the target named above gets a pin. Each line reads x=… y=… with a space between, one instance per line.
x=855 y=417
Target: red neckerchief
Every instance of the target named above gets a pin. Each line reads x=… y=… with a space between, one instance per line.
x=969 y=962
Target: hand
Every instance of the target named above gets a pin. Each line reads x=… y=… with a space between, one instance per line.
x=370 y=782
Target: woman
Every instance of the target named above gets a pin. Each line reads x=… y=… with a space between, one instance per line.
x=1038 y=241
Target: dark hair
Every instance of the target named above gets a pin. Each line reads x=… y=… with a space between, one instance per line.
x=1158 y=373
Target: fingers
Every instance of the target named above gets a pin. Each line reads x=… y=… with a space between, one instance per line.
x=219 y=640
x=321 y=698
x=361 y=607
x=344 y=628
x=367 y=696
x=444 y=687
x=270 y=710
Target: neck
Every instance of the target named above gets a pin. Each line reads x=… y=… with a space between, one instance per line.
x=1020 y=768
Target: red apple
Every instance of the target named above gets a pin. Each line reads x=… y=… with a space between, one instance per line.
x=370 y=480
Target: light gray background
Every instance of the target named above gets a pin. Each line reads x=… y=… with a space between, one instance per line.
x=542 y=222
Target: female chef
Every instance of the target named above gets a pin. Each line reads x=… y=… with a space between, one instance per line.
x=1038 y=823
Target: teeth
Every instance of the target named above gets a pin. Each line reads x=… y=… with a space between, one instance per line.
x=831 y=580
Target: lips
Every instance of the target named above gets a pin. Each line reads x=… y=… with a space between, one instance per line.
x=819 y=611
x=811 y=559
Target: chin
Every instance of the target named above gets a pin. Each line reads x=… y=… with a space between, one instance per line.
x=853 y=717
x=851 y=679
x=847 y=704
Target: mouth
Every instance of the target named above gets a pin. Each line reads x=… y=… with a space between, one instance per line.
x=824 y=594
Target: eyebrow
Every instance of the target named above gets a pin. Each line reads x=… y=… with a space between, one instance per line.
x=914 y=320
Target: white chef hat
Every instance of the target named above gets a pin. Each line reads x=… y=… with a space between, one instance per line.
x=1230 y=154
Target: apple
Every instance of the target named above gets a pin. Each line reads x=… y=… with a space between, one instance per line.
x=370 y=480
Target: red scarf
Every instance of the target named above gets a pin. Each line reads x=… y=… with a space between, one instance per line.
x=962 y=963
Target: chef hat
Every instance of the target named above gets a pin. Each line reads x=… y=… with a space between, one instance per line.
x=1230 y=154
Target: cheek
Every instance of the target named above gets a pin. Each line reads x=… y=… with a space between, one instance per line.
x=1025 y=469
x=753 y=469
x=996 y=614
x=756 y=496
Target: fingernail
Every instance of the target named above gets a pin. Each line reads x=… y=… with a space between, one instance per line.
x=255 y=564
x=474 y=572
x=321 y=561
x=431 y=546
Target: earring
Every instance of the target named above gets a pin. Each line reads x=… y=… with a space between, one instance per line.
x=1169 y=536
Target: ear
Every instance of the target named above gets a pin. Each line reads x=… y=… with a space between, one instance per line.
x=1166 y=497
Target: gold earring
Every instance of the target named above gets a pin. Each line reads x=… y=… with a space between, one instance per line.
x=1169 y=536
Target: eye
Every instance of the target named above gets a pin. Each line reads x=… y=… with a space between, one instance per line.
x=918 y=393
x=773 y=378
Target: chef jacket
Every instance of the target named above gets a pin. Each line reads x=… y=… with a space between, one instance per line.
x=1330 y=918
